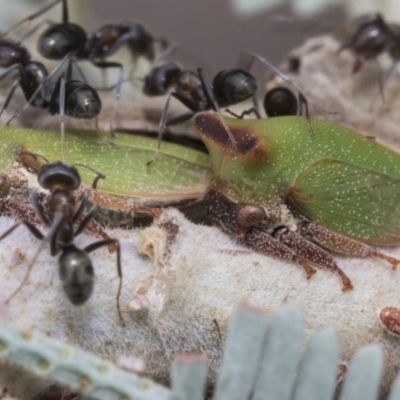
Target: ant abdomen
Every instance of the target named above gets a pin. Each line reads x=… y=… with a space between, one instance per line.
x=76 y=274
x=280 y=101
x=232 y=86
x=81 y=100
x=61 y=39
x=161 y=78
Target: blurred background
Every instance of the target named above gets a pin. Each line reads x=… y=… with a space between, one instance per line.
x=216 y=30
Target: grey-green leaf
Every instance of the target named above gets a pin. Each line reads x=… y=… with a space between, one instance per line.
x=318 y=368
x=281 y=355
x=364 y=375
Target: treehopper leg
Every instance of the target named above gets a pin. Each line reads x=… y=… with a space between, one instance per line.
x=341 y=244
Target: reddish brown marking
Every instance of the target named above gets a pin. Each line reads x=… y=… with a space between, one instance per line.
x=211 y=128
x=390 y=319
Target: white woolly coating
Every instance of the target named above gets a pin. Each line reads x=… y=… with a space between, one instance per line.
x=180 y=279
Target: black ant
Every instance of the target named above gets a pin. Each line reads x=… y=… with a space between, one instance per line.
x=75 y=266
x=369 y=37
x=67 y=41
x=229 y=87
x=67 y=38
x=67 y=96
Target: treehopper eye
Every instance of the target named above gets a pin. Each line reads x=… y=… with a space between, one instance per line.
x=336 y=189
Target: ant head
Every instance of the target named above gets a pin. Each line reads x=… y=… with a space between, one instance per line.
x=76 y=274
x=81 y=100
x=59 y=174
x=232 y=86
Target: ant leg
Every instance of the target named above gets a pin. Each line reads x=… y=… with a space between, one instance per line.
x=98 y=173
x=32 y=17
x=303 y=102
x=256 y=108
x=162 y=126
x=180 y=118
x=40 y=87
x=9 y=97
x=161 y=129
x=39 y=236
x=115 y=242
x=84 y=223
x=383 y=79
x=65 y=13
x=78 y=213
x=88 y=223
x=61 y=113
x=3 y=75
x=105 y=65
x=212 y=100
x=244 y=113
x=80 y=71
x=35 y=232
x=38 y=207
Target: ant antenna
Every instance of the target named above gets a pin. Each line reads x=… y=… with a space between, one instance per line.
x=62 y=110
x=277 y=71
x=98 y=173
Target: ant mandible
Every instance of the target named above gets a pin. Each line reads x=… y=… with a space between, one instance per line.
x=75 y=266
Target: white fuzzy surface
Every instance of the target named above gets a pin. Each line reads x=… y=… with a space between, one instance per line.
x=191 y=278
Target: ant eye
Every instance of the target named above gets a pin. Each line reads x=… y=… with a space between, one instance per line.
x=279 y=102
x=58 y=172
